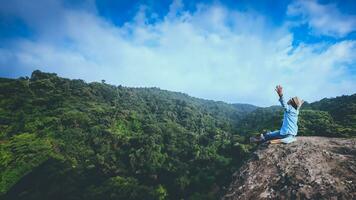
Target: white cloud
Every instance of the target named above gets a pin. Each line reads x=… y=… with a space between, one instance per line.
x=323 y=19
x=213 y=53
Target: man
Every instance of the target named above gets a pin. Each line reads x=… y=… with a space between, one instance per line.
x=289 y=127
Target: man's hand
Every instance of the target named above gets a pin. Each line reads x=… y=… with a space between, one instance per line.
x=279 y=90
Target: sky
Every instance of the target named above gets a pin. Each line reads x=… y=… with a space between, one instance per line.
x=232 y=51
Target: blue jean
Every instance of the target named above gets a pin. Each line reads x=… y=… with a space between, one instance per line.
x=274 y=135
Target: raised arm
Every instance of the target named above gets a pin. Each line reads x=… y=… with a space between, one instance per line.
x=279 y=91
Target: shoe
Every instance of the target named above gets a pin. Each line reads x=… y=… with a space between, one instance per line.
x=262 y=136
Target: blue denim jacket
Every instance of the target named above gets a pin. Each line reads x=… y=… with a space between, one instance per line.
x=290 y=119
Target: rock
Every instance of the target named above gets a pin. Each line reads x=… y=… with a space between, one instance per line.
x=310 y=168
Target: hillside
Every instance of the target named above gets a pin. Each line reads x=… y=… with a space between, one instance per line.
x=333 y=117
x=310 y=168
x=83 y=140
x=97 y=140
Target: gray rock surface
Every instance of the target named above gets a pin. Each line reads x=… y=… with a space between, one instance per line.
x=310 y=168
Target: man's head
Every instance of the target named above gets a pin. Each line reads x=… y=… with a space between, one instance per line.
x=296 y=102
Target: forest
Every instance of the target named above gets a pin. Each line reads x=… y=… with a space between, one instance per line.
x=68 y=139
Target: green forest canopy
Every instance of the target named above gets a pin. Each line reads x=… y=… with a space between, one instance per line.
x=67 y=139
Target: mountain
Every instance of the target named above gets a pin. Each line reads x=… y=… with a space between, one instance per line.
x=68 y=139
x=88 y=140
x=342 y=109
x=310 y=168
x=333 y=117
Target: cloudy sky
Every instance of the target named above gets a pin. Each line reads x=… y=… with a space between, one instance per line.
x=233 y=51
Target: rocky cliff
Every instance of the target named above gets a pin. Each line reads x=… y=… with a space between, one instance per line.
x=310 y=168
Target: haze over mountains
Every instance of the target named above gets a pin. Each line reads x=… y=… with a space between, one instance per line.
x=68 y=139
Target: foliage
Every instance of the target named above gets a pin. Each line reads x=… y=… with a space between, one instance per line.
x=97 y=141
x=19 y=155
x=329 y=117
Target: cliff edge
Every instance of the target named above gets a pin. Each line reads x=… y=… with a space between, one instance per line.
x=310 y=168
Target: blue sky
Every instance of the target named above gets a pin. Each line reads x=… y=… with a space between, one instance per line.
x=233 y=51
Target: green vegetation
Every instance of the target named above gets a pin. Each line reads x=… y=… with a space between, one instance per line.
x=82 y=140
x=333 y=117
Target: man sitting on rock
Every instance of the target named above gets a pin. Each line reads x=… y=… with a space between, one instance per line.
x=289 y=127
